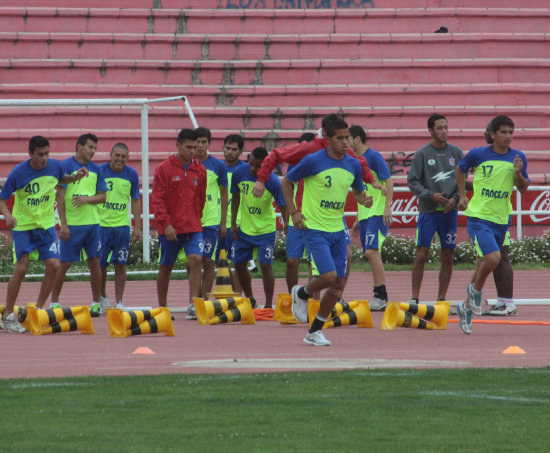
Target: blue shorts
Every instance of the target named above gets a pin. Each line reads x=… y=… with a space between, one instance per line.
x=505 y=243
x=445 y=225
x=348 y=235
x=210 y=236
x=295 y=242
x=225 y=243
x=242 y=250
x=44 y=241
x=191 y=243
x=373 y=232
x=85 y=237
x=328 y=251
x=488 y=237
x=115 y=245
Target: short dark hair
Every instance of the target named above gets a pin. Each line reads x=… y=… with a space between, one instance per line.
x=487 y=133
x=259 y=153
x=499 y=121
x=337 y=124
x=187 y=134
x=234 y=138
x=358 y=131
x=204 y=132
x=328 y=120
x=83 y=139
x=38 y=142
x=433 y=118
x=121 y=146
x=306 y=137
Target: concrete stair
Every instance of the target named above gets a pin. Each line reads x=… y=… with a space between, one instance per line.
x=271 y=73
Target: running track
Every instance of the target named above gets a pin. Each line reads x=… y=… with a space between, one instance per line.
x=269 y=346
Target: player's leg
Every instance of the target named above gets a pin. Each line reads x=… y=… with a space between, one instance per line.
x=372 y=232
x=106 y=249
x=120 y=246
x=210 y=238
x=242 y=251
x=9 y=320
x=447 y=229
x=51 y=268
x=266 y=247
x=92 y=247
x=69 y=251
x=425 y=230
x=168 y=251
x=193 y=246
x=295 y=244
x=120 y=284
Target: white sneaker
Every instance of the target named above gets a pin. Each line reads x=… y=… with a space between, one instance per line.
x=119 y=304
x=54 y=305
x=12 y=324
x=317 y=339
x=191 y=312
x=105 y=303
x=377 y=304
x=299 y=306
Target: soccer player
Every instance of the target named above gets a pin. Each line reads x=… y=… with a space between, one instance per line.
x=33 y=221
x=177 y=200
x=432 y=179
x=114 y=220
x=497 y=169
x=233 y=146
x=79 y=219
x=215 y=208
x=328 y=174
x=373 y=223
x=258 y=224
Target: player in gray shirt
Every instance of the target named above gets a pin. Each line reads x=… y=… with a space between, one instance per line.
x=432 y=179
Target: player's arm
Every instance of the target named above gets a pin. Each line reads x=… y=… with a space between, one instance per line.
x=362 y=198
x=387 y=216
x=235 y=205
x=224 y=201
x=461 y=185
x=64 y=232
x=522 y=183
x=135 y=206
x=68 y=179
x=98 y=198
x=11 y=222
x=288 y=194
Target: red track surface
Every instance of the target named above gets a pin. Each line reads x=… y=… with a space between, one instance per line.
x=269 y=346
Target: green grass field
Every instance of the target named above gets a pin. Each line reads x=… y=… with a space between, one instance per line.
x=472 y=410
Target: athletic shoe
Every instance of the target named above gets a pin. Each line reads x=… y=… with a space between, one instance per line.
x=54 y=305
x=105 y=303
x=474 y=300
x=96 y=310
x=119 y=304
x=501 y=310
x=253 y=303
x=377 y=304
x=191 y=312
x=299 y=306
x=317 y=339
x=464 y=318
x=452 y=310
x=12 y=324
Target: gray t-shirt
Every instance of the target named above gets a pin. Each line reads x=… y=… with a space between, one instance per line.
x=433 y=170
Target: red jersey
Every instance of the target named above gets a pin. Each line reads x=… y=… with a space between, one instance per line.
x=295 y=153
x=178 y=195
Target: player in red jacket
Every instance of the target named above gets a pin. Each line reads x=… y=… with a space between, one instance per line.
x=179 y=193
x=295 y=153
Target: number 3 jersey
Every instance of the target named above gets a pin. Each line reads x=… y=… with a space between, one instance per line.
x=121 y=188
x=494 y=180
x=326 y=186
x=87 y=187
x=257 y=214
x=34 y=194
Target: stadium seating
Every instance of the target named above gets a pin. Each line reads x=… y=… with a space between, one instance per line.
x=271 y=72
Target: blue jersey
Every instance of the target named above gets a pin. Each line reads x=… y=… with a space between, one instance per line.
x=34 y=194
x=381 y=173
x=257 y=214
x=326 y=185
x=89 y=186
x=494 y=180
x=122 y=186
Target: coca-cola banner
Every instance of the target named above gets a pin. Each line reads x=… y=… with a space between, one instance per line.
x=533 y=200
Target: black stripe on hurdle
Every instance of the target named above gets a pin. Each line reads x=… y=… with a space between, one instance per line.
x=236 y=313
x=337 y=321
x=217 y=306
x=153 y=326
x=56 y=328
x=413 y=308
x=352 y=317
x=68 y=313
x=73 y=324
x=135 y=330
x=51 y=316
x=133 y=319
x=430 y=312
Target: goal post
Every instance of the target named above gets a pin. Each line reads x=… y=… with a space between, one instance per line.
x=143 y=103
